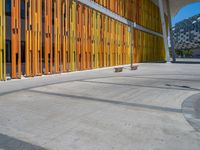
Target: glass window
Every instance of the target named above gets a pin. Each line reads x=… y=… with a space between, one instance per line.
x=8 y=51
x=8 y=7
x=23 y=52
x=23 y=9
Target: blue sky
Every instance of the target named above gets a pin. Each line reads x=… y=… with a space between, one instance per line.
x=186 y=12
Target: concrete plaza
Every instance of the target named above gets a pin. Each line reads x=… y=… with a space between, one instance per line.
x=103 y=110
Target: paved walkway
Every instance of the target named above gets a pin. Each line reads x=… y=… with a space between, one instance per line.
x=101 y=110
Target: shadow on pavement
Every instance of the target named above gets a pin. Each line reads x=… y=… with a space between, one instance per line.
x=183 y=86
x=191 y=111
x=94 y=99
x=167 y=86
x=10 y=143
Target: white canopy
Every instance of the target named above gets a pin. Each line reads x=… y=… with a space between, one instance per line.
x=176 y=5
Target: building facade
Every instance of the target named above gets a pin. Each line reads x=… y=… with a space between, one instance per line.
x=54 y=36
x=186 y=34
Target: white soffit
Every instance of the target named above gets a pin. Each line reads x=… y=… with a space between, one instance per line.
x=176 y=5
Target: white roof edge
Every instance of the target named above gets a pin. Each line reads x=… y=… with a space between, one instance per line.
x=176 y=5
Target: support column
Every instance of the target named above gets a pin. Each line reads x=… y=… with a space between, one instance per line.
x=171 y=33
x=164 y=29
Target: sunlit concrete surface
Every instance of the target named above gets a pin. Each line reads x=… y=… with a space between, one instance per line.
x=101 y=110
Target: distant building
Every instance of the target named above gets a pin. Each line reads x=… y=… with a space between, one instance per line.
x=187 y=34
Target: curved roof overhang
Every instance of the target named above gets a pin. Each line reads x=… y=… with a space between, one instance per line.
x=176 y=5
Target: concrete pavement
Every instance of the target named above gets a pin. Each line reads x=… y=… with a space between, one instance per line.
x=101 y=110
